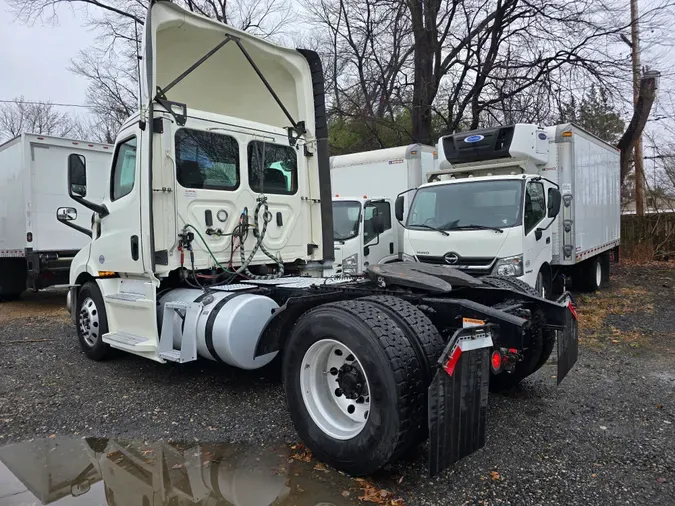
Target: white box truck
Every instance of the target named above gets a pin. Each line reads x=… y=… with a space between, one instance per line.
x=365 y=186
x=494 y=206
x=35 y=249
x=207 y=248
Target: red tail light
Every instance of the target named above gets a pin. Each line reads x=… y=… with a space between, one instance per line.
x=496 y=361
x=452 y=361
x=573 y=310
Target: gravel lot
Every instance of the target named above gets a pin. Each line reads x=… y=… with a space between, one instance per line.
x=605 y=436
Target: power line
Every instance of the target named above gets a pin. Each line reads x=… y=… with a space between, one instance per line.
x=44 y=103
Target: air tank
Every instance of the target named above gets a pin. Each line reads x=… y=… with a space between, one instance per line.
x=229 y=325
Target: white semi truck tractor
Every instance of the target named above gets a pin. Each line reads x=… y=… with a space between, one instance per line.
x=213 y=240
x=494 y=206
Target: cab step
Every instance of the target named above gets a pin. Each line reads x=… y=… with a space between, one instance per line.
x=135 y=300
x=129 y=342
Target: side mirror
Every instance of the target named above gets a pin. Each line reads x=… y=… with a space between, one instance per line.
x=77 y=176
x=66 y=214
x=538 y=233
x=398 y=208
x=554 y=200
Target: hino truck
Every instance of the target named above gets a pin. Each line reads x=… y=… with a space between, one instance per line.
x=365 y=186
x=35 y=250
x=213 y=238
x=492 y=207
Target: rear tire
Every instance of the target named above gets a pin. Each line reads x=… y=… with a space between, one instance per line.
x=387 y=363
x=12 y=278
x=592 y=274
x=92 y=322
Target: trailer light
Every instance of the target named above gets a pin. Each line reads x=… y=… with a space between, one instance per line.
x=567 y=134
x=29 y=237
x=90 y=145
x=365 y=196
x=106 y=274
x=573 y=310
x=452 y=361
x=337 y=194
x=105 y=147
x=413 y=152
x=496 y=361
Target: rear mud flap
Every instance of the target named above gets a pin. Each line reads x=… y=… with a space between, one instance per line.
x=458 y=397
x=568 y=343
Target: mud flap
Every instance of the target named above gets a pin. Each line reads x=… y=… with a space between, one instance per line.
x=458 y=397
x=568 y=343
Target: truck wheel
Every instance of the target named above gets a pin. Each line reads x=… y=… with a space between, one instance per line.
x=92 y=322
x=12 y=278
x=543 y=284
x=422 y=335
x=592 y=274
x=353 y=386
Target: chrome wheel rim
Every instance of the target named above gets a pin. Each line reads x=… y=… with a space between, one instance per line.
x=598 y=274
x=88 y=321
x=335 y=389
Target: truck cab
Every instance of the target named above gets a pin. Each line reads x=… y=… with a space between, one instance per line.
x=490 y=207
x=365 y=232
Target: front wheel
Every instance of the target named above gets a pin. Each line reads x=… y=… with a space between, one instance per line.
x=354 y=386
x=92 y=322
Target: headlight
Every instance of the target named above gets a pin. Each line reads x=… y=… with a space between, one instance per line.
x=408 y=258
x=350 y=264
x=509 y=266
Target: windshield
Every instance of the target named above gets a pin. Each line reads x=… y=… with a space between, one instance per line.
x=346 y=217
x=474 y=203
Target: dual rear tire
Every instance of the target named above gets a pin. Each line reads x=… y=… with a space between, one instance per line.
x=355 y=374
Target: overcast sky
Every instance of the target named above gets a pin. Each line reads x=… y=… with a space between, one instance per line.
x=35 y=59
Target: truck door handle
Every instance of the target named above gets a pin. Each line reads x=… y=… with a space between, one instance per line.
x=134 y=247
x=548 y=240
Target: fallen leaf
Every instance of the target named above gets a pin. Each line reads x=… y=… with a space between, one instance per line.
x=52 y=436
x=345 y=493
x=594 y=475
x=614 y=340
x=321 y=467
x=145 y=452
x=400 y=480
x=659 y=406
x=177 y=466
x=603 y=427
x=661 y=479
x=495 y=475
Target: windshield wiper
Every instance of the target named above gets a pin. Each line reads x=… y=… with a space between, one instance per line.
x=430 y=228
x=479 y=227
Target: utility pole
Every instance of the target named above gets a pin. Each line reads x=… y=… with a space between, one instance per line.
x=638 y=159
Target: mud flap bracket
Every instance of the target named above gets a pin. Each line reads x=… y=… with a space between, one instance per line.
x=458 y=397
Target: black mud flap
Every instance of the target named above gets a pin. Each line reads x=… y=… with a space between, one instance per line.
x=458 y=397
x=568 y=342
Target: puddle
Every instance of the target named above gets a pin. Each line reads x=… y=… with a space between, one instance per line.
x=91 y=471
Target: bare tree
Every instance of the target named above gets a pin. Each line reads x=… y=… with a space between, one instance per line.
x=19 y=117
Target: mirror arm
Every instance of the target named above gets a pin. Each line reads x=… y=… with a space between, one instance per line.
x=101 y=209
x=77 y=227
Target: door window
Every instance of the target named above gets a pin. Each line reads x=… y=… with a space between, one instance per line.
x=383 y=210
x=272 y=168
x=535 y=205
x=207 y=160
x=124 y=169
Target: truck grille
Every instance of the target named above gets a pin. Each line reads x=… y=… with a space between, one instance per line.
x=478 y=266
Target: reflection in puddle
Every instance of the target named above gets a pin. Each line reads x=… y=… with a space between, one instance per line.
x=70 y=472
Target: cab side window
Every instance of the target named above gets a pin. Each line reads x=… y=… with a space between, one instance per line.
x=384 y=210
x=535 y=206
x=124 y=169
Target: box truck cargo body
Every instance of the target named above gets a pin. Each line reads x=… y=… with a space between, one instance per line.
x=538 y=203
x=35 y=249
x=365 y=186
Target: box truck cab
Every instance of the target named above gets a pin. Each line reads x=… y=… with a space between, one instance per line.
x=494 y=206
x=365 y=186
x=365 y=232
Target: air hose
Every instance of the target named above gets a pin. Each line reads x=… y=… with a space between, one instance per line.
x=259 y=234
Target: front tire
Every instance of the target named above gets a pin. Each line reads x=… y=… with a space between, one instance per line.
x=92 y=322
x=345 y=359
